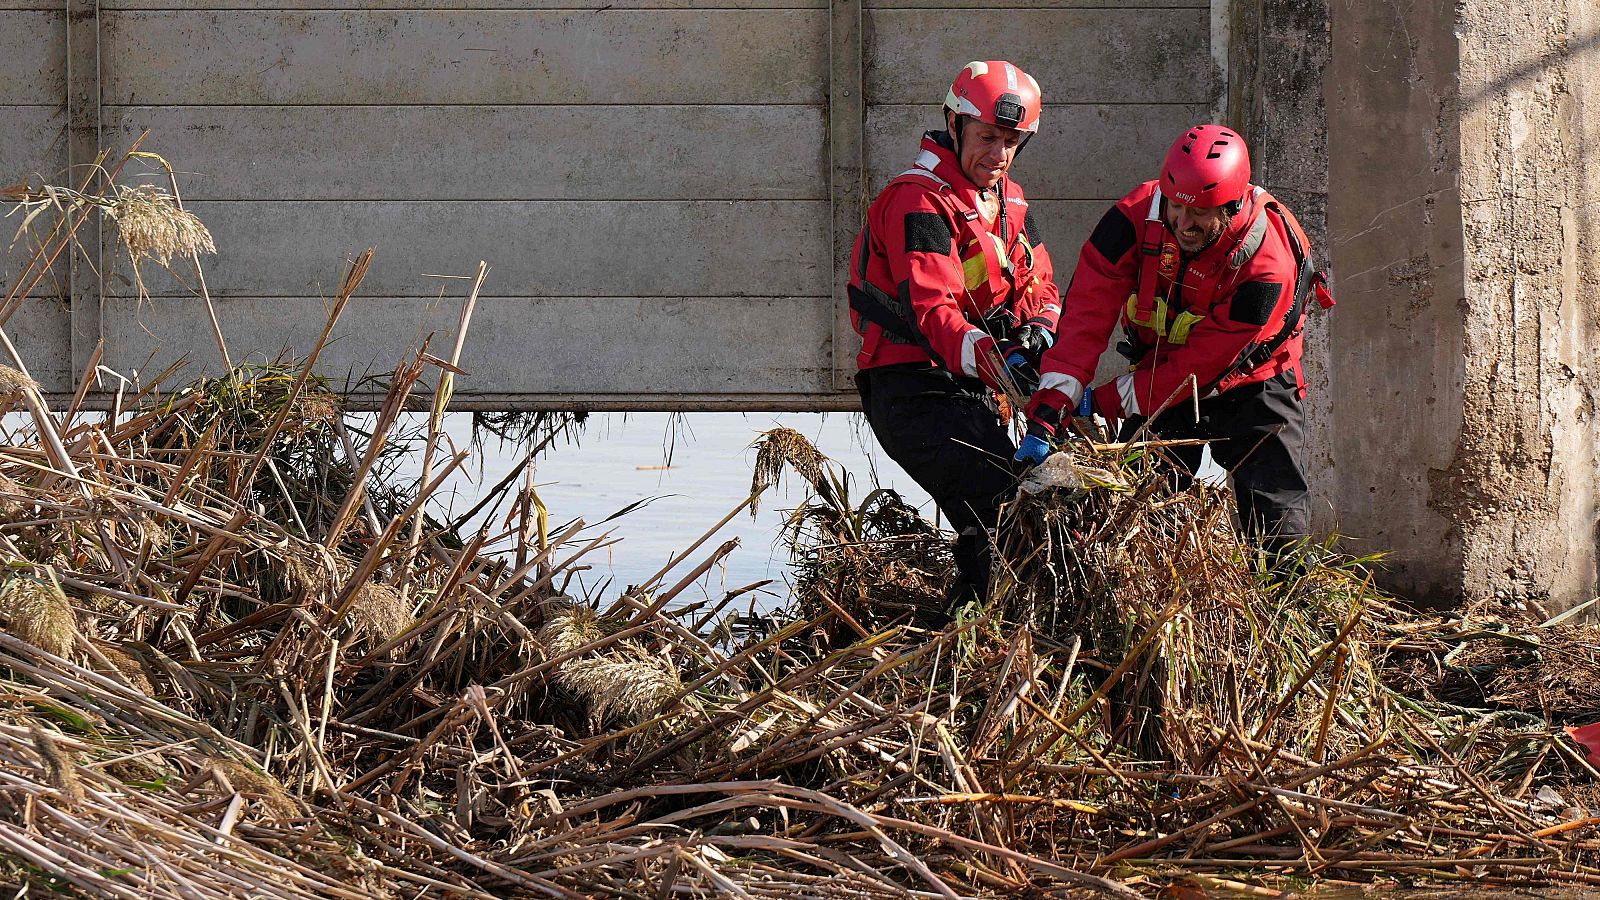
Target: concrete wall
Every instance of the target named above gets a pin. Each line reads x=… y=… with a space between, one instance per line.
x=1464 y=233
x=1522 y=491
x=1397 y=336
x=32 y=139
x=656 y=184
x=622 y=166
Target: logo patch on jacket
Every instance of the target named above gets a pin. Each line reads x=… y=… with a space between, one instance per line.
x=1169 y=259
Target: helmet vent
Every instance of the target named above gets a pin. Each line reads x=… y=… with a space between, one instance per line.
x=1211 y=186
x=1213 y=153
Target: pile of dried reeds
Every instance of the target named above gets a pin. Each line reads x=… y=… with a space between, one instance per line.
x=243 y=657
x=1148 y=697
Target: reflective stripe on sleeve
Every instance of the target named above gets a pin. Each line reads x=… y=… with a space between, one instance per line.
x=969 y=351
x=1130 y=402
x=1066 y=384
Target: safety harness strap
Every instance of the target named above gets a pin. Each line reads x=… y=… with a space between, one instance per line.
x=994 y=260
x=1309 y=281
x=894 y=314
x=1307 y=275
x=875 y=305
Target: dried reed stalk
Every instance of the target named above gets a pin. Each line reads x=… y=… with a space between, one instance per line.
x=1140 y=705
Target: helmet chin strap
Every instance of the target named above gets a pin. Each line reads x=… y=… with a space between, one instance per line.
x=956 y=123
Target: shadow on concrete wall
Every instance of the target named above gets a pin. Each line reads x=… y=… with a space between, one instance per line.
x=1571 y=51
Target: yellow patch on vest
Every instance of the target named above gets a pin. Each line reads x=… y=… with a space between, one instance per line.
x=976 y=269
x=1181 y=323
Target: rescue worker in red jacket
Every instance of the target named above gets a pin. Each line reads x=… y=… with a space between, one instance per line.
x=1211 y=278
x=949 y=280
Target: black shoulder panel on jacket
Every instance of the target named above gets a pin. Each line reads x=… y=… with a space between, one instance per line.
x=927 y=232
x=1114 y=236
x=1254 y=302
x=1030 y=226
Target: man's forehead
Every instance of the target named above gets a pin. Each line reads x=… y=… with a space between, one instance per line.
x=1174 y=206
x=997 y=130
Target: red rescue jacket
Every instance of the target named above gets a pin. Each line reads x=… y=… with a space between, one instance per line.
x=932 y=272
x=1211 y=316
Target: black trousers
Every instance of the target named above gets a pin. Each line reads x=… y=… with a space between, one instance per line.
x=1258 y=434
x=940 y=428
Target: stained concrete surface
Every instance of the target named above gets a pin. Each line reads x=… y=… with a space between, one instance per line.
x=1463 y=375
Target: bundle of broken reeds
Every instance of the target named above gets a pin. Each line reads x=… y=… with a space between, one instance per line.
x=1149 y=698
x=243 y=656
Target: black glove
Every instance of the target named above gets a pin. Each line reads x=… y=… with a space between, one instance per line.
x=1033 y=339
x=1028 y=342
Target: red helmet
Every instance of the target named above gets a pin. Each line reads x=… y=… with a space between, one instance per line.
x=1208 y=165
x=996 y=92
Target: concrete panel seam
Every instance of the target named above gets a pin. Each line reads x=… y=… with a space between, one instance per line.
x=83 y=146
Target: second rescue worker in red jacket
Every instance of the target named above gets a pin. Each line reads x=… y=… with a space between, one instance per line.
x=1211 y=278
x=949 y=279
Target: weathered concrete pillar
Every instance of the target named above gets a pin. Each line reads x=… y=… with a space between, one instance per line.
x=1465 y=233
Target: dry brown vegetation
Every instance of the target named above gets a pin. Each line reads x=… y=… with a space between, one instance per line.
x=243 y=657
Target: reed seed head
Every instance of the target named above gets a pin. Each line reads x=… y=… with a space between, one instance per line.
x=785 y=446
x=60 y=770
x=379 y=613
x=153 y=227
x=39 y=613
x=13 y=382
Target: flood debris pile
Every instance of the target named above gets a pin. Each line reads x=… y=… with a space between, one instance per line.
x=860 y=563
x=243 y=654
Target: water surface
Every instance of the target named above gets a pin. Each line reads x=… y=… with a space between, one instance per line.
x=693 y=469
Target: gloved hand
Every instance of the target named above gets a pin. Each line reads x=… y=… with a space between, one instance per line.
x=1028 y=341
x=1033 y=451
x=1033 y=338
x=1046 y=412
x=1023 y=372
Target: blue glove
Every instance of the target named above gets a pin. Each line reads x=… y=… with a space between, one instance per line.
x=1033 y=450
